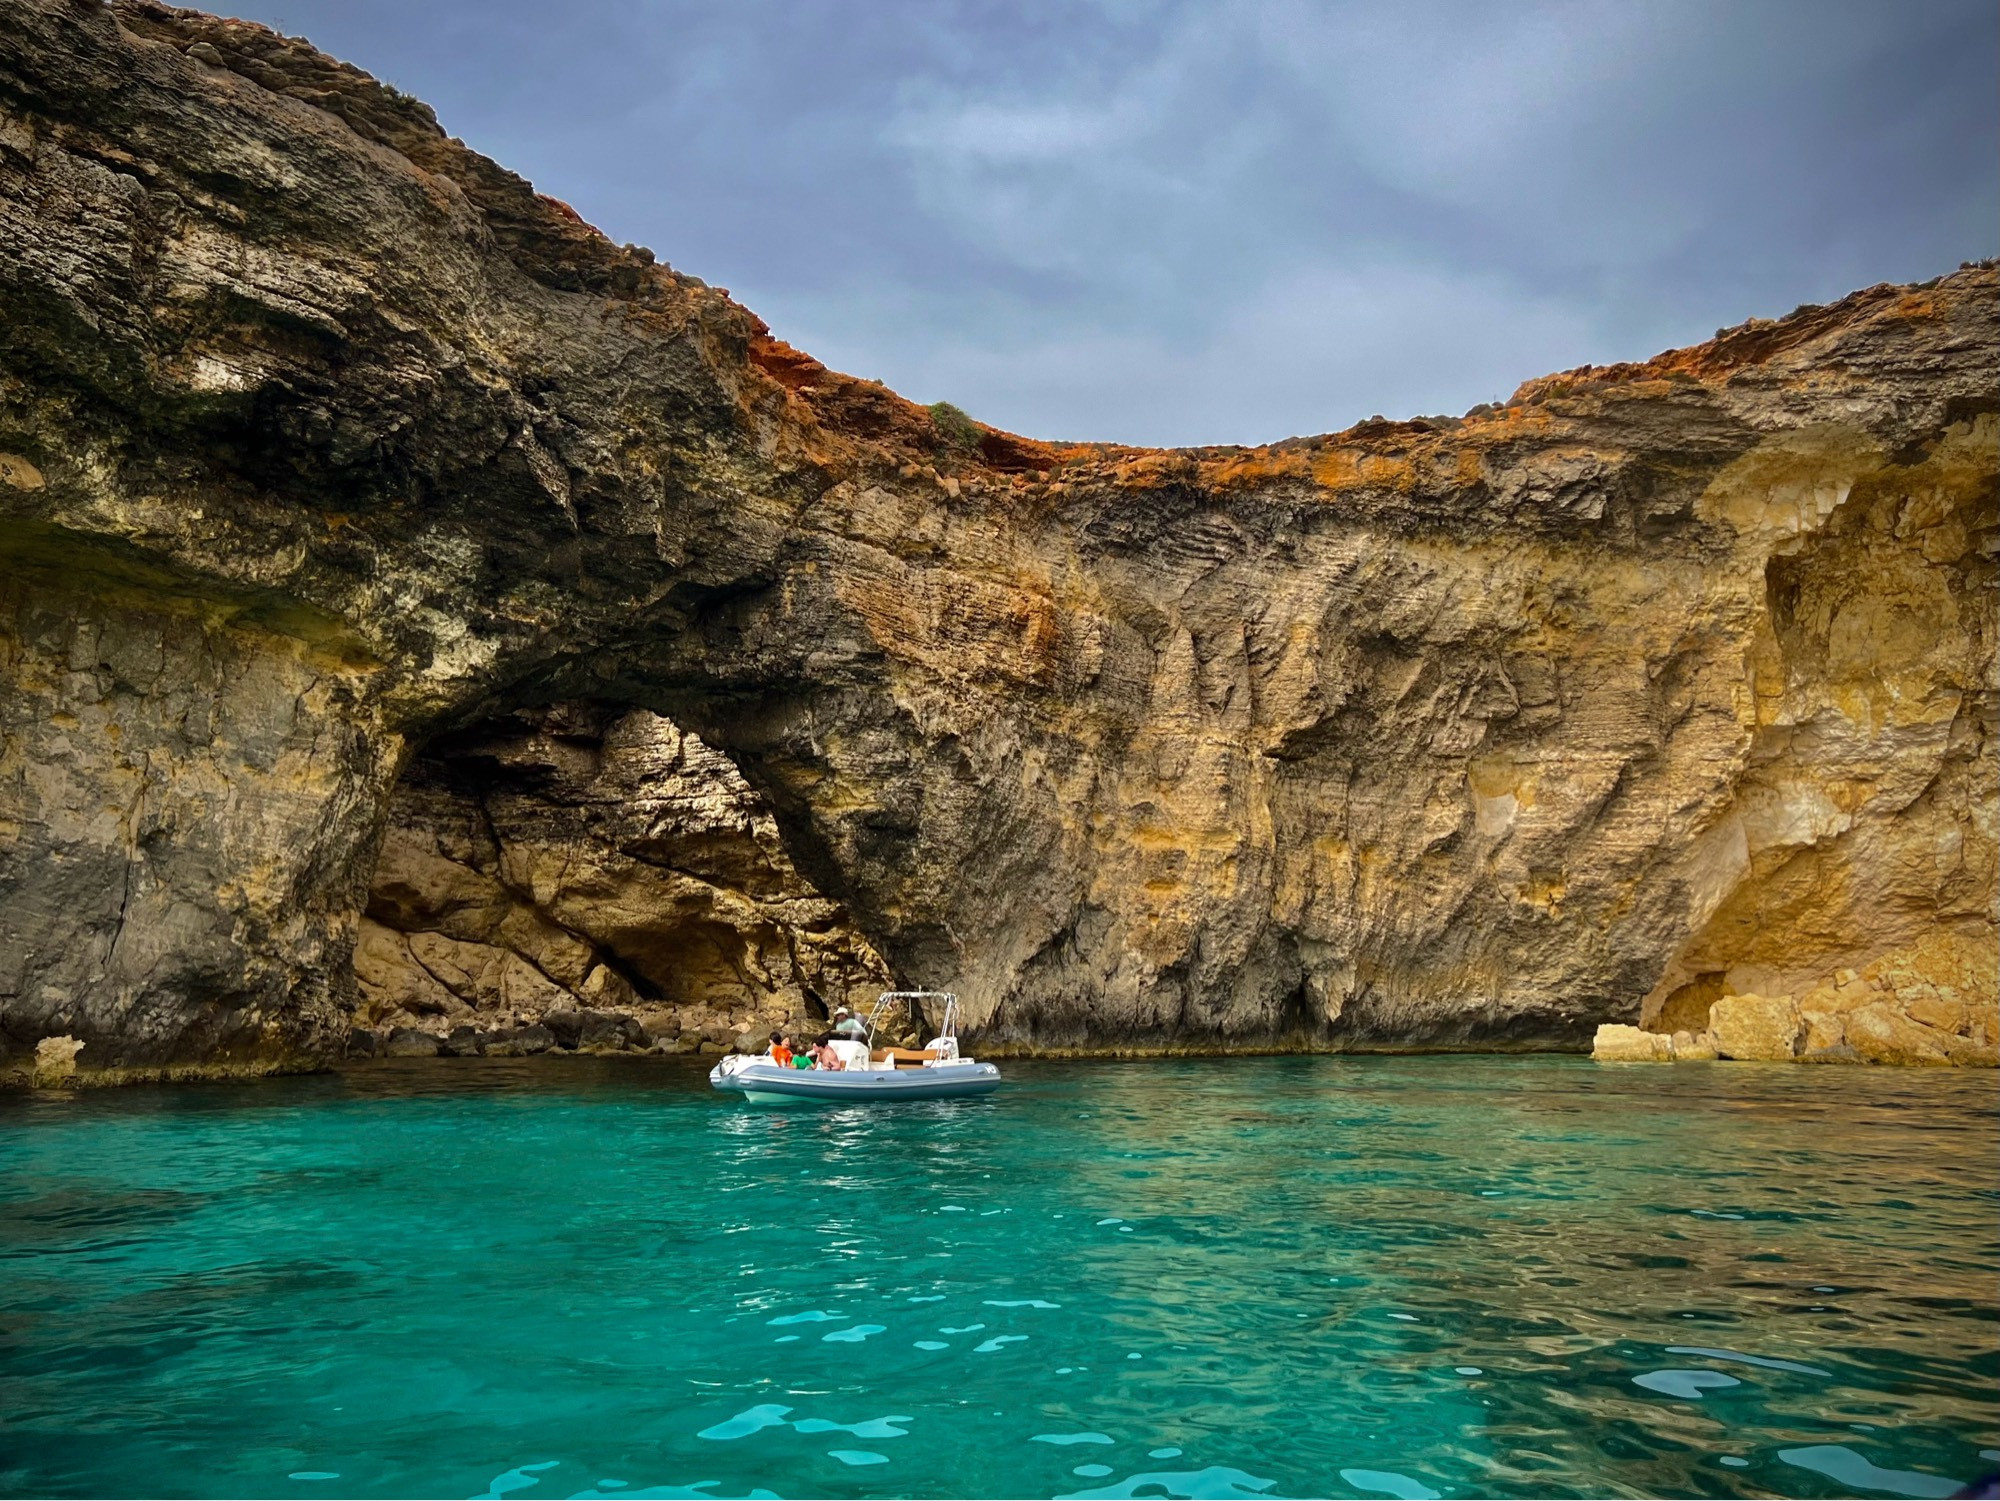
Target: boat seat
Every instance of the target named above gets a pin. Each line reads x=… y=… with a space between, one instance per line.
x=900 y=1056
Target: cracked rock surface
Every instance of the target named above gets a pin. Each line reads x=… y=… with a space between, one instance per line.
x=324 y=441
x=582 y=859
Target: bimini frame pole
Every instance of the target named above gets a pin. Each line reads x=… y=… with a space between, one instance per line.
x=948 y=1025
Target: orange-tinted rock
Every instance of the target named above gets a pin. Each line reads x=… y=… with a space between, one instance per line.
x=1695 y=1047
x=1756 y=1027
x=1824 y=1029
x=1686 y=1010
x=1942 y=1015
x=1621 y=1044
x=1882 y=1034
x=1971 y=1052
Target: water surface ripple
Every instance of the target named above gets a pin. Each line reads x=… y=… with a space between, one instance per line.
x=1285 y=1277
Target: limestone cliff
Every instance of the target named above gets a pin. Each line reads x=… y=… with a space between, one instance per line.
x=572 y=859
x=323 y=439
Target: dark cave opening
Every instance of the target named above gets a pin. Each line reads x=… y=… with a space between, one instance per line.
x=593 y=859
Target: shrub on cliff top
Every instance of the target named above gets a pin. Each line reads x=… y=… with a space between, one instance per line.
x=954 y=428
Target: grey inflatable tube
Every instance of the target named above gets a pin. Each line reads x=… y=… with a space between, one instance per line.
x=770 y=1082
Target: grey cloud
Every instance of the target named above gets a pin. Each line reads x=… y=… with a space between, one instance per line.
x=1192 y=222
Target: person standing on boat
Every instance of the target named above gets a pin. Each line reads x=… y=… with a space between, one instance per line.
x=847 y=1024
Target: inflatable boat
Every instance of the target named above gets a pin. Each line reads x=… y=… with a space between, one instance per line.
x=934 y=1072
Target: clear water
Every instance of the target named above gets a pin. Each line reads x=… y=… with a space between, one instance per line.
x=1285 y=1277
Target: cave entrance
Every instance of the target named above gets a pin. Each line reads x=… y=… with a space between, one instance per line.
x=591 y=875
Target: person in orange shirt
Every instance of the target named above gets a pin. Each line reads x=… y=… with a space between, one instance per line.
x=781 y=1050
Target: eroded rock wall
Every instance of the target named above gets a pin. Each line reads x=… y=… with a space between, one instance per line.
x=1864 y=817
x=580 y=858
x=1850 y=899
x=322 y=438
x=152 y=742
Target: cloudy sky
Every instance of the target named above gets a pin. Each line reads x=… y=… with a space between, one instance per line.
x=1229 y=222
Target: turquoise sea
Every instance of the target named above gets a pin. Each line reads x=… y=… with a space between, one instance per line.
x=1405 y=1277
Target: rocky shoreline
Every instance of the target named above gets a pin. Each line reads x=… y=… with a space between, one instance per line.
x=1932 y=1005
x=1852 y=1021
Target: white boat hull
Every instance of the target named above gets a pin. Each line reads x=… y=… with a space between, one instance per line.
x=767 y=1083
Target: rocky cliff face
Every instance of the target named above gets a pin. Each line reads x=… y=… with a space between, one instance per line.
x=577 y=859
x=323 y=440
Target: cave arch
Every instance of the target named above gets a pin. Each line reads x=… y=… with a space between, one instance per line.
x=590 y=857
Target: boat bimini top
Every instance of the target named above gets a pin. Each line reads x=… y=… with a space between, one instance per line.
x=936 y=1071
